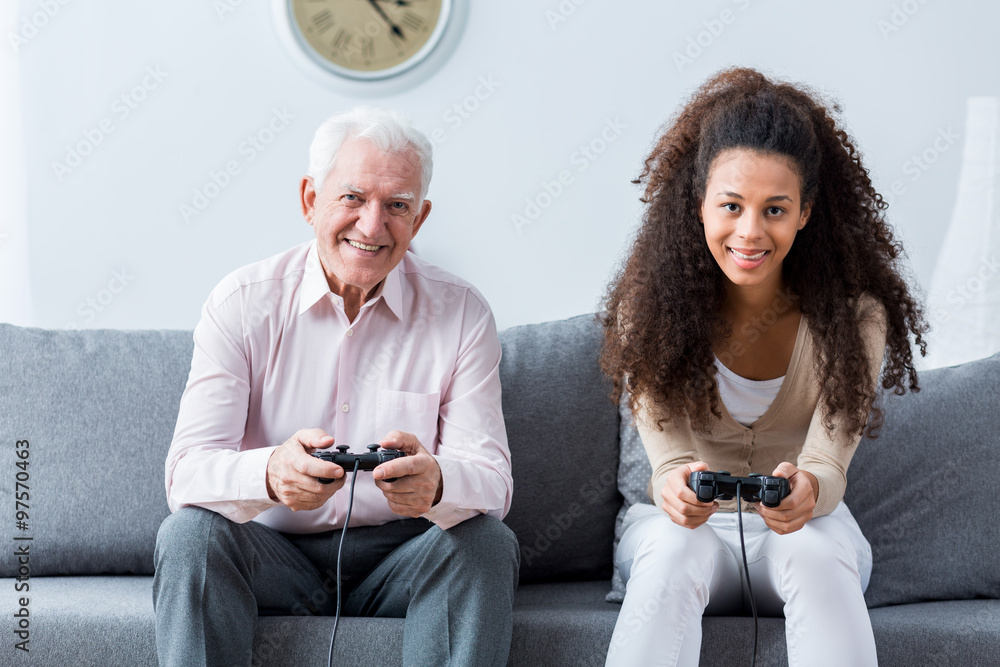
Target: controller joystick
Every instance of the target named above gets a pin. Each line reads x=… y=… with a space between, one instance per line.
x=767 y=490
x=368 y=461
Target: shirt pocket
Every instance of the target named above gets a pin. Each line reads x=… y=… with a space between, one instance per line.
x=410 y=412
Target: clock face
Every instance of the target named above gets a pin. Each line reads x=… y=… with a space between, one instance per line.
x=369 y=39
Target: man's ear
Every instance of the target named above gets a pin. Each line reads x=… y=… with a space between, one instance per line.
x=307 y=198
x=425 y=210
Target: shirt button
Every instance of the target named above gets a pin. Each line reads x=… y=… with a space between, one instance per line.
x=345 y=407
x=350 y=332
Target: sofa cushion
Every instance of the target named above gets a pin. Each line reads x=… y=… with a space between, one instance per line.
x=563 y=434
x=98 y=408
x=634 y=473
x=923 y=493
x=109 y=621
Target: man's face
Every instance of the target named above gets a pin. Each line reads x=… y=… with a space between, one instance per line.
x=365 y=215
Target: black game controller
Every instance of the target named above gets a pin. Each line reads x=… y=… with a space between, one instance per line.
x=367 y=461
x=769 y=491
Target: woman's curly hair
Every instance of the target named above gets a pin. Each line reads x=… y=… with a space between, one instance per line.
x=663 y=310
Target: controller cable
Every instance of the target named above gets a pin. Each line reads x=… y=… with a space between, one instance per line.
x=746 y=568
x=340 y=549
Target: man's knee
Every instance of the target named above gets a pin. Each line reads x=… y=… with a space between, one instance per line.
x=487 y=535
x=186 y=534
x=483 y=540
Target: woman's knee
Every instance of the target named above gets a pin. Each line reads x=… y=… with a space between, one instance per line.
x=661 y=550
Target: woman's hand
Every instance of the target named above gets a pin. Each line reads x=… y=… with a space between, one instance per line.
x=797 y=507
x=680 y=502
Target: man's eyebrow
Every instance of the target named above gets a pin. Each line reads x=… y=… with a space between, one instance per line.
x=409 y=196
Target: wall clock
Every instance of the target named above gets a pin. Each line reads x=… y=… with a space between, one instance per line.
x=375 y=46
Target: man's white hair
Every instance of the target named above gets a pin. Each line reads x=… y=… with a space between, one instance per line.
x=390 y=131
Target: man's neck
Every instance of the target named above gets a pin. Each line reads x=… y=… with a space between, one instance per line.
x=354 y=298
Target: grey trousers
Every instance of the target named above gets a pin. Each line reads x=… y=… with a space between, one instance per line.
x=454 y=587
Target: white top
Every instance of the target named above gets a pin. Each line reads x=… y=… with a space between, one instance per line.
x=746 y=400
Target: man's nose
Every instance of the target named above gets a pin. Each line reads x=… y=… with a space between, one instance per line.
x=371 y=218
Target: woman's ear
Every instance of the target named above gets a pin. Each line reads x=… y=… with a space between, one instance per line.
x=804 y=216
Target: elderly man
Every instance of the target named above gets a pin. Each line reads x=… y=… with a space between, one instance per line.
x=349 y=340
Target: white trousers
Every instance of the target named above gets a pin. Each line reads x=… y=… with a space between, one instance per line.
x=816 y=576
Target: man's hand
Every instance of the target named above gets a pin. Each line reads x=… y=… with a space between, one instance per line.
x=419 y=484
x=797 y=507
x=680 y=502
x=293 y=475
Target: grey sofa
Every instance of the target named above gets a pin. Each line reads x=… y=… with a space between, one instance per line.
x=98 y=410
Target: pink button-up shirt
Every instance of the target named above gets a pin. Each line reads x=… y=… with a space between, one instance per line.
x=275 y=352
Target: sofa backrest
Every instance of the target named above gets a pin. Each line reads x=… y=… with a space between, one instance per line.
x=98 y=408
x=923 y=491
x=563 y=433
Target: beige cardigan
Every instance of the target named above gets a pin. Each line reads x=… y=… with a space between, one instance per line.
x=790 y=430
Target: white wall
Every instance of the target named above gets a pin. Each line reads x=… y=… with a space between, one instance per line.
x=110 y=230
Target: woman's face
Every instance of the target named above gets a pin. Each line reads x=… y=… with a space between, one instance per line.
x=751 y=214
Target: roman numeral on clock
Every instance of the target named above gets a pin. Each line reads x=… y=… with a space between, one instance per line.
x=323 y=21
x=412 y=21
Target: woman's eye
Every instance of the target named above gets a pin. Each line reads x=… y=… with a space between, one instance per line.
x=775 y=210
x=732 y=208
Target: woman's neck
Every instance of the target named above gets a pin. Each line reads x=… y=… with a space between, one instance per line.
x=747 y=301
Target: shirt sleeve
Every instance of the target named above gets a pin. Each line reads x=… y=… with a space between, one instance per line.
x=473 y=453
x=205 y=465
x=827 y=454
x=667 y=449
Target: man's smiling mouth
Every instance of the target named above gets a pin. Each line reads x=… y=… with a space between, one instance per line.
x=363 y=246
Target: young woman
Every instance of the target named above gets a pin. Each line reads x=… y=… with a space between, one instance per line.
x=750 y=325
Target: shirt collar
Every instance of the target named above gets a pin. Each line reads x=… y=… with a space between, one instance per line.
x=392 y=292
x=315 y=286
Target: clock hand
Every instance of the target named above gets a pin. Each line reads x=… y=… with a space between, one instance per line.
x=385 y=17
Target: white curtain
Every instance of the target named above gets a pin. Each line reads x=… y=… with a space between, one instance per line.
x=15 y=292
x=964 y=300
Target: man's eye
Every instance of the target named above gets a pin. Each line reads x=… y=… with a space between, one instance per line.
x=399 y=205
x=351 y=199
